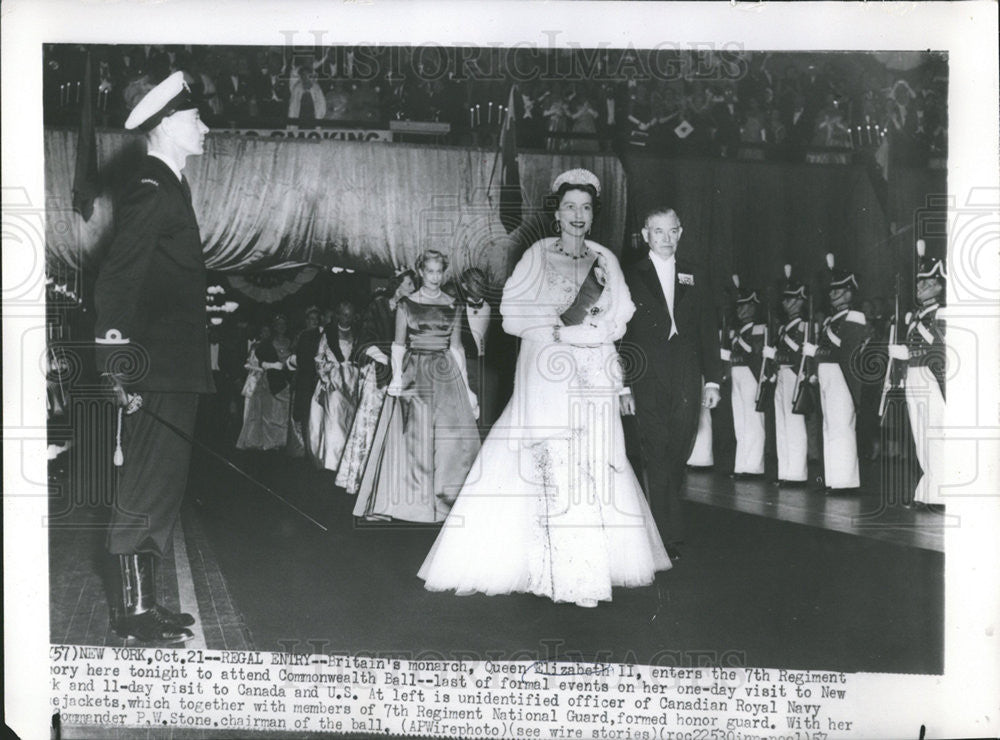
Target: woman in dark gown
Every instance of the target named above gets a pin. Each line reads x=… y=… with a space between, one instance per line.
x=427 y=438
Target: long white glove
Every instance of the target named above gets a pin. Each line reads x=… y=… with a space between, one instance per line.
x=378 y=355
x=459 y=357
x=396 y=386
x=809 y=349
x=583 y=336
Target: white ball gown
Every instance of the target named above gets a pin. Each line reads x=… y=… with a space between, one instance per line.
x=552 y=506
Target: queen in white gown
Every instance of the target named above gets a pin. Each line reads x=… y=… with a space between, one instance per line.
x=552 y=506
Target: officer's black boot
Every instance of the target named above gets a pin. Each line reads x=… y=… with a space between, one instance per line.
x=181 y=619
x=139 y=618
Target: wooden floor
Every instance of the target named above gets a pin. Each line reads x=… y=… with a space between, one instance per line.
x=193 y=581
x=189 y=581
x=866 y=514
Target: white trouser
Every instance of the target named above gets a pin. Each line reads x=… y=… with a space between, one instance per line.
x=790 y=430
x=840 y=441
x=925 y=405
x=748 y=424
x=701 y=454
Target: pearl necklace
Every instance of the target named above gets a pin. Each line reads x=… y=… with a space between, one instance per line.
x=430 y=297
x=560 y=250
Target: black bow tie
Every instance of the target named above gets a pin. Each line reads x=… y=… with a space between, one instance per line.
x=476 y=305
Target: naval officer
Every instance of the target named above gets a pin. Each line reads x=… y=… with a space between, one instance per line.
x=153 y=351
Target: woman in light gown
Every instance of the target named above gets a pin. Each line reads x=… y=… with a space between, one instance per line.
x=336 y=396
x=427 y=436
x=267 y=414
x=552 y=506
x=378 y=327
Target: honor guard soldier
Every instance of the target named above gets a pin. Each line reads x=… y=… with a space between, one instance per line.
x=746 y=358
x=841 y=334
x=924 y=353
x=152 y=349
x=789 y=427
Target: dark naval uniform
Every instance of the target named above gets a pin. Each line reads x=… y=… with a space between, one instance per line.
x=748 y=423
x=789 y=427
x=840 y=393
x=925 y=398
x=151 y=332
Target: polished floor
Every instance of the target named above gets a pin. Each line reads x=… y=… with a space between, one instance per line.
x=770 y=576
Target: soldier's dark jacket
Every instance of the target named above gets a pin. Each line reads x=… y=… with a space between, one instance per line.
x=925 y=341
x=788 y=350
x=748 y=347
x=839 y=338
x=151 y=322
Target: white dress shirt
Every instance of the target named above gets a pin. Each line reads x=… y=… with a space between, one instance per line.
x=666 y=270
x=479 y=322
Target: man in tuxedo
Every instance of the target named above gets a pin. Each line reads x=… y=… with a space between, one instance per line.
x=672 y=367
x=477 y=325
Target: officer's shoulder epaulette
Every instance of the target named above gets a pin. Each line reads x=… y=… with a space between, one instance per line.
x=856 y=317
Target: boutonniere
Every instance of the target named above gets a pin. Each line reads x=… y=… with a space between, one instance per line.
x=685 y=278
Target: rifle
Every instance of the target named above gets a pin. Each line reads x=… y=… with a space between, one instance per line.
x=768 y=378
x=726 y=345
x=895 y=371
x=803 y=398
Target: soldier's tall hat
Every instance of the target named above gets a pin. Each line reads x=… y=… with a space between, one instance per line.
x=792 y=287
x=169 y=97
x=744 y=294
x=929 y=267
x=840 y=279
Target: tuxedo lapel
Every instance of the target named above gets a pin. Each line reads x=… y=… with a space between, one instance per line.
x=682 y=291
x=648 y=274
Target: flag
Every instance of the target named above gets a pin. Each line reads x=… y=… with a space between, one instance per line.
x=510 y=177
x=85 y=185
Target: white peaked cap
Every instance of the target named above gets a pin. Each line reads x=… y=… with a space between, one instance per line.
x=165 y=99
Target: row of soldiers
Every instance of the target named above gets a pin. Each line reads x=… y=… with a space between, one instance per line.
x=803 y=368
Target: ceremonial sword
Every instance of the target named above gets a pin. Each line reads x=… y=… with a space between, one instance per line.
x=205 y=448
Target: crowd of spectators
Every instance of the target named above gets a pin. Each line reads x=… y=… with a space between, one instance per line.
x=723 y=103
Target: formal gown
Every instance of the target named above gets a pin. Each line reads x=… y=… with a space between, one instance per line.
x=552 y=506
x=267 y=412
x=334 y=401
x=377 y=328
x=427 y=437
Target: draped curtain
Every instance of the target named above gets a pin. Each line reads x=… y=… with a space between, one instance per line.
x=368 y=206
x=374 y=206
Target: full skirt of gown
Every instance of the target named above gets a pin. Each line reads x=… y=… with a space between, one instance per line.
x=551 y=506
x=266 y=418
x=331 y=416
x=424 y=444
x=359 y=440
